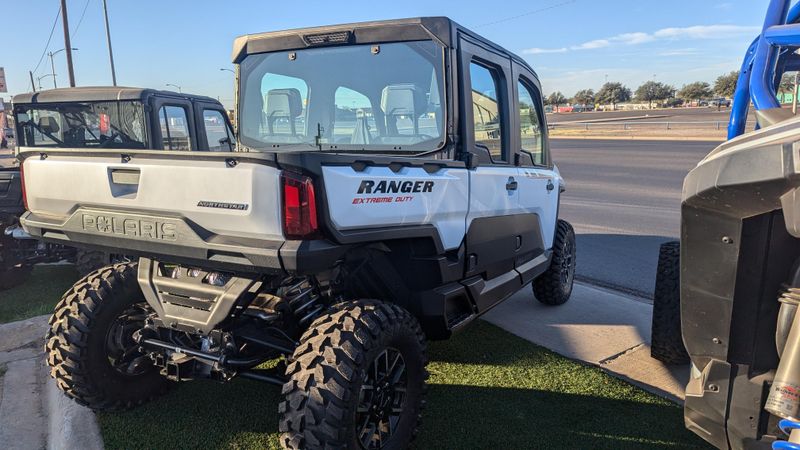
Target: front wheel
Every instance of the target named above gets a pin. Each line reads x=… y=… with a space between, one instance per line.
x=554 y=287
x=356 y=381
x=666 y=342
x=90 y=347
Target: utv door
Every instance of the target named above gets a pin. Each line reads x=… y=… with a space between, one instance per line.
x=176 y=128
x=213 y=128
x=539 y=183
x=495 y=225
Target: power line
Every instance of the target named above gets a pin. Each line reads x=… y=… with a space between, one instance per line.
x=44 y=52
x=75 y=31
x=526 y=14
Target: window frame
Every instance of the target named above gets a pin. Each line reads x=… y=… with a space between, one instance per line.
x=537 y=103
x=202 y=116
x=471 y=51
x=523 y=74
x=160 y=102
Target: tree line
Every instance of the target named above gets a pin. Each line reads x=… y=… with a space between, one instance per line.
x=612 y=93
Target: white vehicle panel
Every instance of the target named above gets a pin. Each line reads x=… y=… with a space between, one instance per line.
x=536 y=198
x=59 y=185
x=389 y=199
x=489 y=196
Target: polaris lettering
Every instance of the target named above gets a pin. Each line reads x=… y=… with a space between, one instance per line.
x=394 y=187
x=140 y=228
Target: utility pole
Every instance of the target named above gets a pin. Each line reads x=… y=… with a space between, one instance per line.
x=53 y=70
x=33 y=85
x=67 y=44
x=108 y=38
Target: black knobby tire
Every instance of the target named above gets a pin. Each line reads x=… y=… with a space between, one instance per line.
x=666 y=342
x=14 y=276
x=84 y=330
x=331 y=383
x=554 y=286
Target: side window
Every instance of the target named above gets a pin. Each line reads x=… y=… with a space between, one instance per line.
x=217 y=135
x=530 y=123
x=488 y=125
x=174 y=128
x=354 y=121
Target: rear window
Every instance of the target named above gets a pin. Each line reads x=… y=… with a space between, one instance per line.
x=82 y=125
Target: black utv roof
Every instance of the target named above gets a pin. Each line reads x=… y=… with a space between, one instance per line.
x=99 y=94
x=441 y=29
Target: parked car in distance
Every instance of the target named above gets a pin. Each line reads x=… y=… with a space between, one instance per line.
x=720 y=102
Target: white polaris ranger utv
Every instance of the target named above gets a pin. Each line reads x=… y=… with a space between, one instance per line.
x=392 y=183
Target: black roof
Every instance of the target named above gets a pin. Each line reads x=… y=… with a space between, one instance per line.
x=442 y=29
x=99 y=94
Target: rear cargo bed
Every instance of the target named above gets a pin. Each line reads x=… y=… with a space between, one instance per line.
x=211 y=208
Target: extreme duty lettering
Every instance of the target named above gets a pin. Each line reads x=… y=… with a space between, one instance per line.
x=394 y=187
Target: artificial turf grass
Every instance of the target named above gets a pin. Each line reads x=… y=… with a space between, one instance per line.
x=38 y=294
x=488 y=389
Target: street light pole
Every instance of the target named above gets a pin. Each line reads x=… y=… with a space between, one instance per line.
x=108 y=39
x=53 y=66
x=176 y=86
x=67 y=44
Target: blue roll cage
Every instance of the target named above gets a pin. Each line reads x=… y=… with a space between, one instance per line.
x=769 y=56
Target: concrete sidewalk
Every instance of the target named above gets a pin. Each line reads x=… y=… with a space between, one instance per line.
x=34 y=414
x=598 y=327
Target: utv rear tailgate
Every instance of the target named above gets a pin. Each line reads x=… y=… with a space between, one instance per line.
x=212 y=207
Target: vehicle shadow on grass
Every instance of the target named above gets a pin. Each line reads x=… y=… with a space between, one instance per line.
x=494 y=400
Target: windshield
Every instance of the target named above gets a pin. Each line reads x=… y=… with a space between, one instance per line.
x=385 y=97
x=82 y=125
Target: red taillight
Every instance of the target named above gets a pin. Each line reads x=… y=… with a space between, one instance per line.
x=299 y=207
x=22 y=184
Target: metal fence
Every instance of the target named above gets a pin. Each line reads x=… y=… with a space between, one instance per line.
x=645 y=125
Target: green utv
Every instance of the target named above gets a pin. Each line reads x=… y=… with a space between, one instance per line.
x=391 y=182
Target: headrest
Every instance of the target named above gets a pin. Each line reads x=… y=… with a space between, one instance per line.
x=402 y=100
x=284 y=103
x=48 y=124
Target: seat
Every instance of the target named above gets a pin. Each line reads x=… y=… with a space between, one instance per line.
x=282 y=104
x=399 y=100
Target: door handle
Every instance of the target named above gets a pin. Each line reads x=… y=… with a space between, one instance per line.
x=511 y=184
x=550 y=185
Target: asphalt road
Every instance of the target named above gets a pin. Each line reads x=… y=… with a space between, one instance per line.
x=623 y=198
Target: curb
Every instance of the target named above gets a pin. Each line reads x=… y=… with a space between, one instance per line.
x=69 y=425
x=66 y=424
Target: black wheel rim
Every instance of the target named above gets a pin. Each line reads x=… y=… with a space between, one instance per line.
x=122 y=351
x=568 y=264
x=381 y=399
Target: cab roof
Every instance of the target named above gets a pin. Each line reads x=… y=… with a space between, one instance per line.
x=100 y=94
x=441 y=29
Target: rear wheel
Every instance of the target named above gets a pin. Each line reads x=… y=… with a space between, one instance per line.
x=665 y=336
x=356 y=381
x=554 y=287
x=90 y=347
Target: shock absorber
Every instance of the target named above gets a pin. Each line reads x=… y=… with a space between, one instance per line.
x=784 y=394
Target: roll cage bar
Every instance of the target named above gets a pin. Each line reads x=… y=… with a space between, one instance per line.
x=770 y=55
